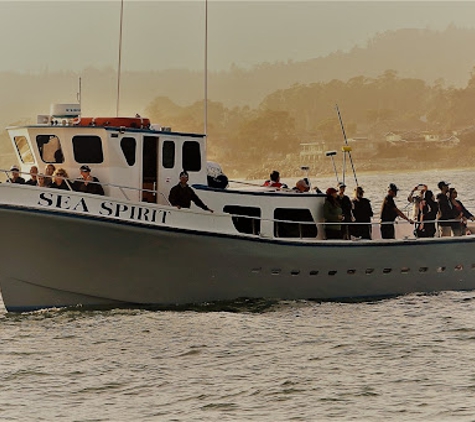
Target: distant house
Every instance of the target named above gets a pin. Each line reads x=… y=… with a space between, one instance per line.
x=312 y=151
x=431 y=137
x=449 y=142
x=394 y=137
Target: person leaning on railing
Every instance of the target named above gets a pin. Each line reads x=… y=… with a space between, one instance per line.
x=87 y=183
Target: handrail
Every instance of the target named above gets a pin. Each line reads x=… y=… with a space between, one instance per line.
x=112 y=185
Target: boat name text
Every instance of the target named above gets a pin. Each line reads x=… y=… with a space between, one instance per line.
x=106 y=208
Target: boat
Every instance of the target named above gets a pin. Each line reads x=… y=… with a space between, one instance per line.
x=131 y=248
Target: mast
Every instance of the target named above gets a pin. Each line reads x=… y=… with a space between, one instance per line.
x=205 y=117
x=120 y=57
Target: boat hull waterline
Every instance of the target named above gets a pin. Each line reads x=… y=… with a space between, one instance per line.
x=77 y=260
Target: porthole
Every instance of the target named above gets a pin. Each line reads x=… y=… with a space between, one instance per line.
x=387 y=270
x=275 y=271
x=458 y=267
x=423 y=269
x=405 y=270
x=256 y=270
x=473 y=266
x=351 y=272
x=295 y=272
x=369 y=271
x=313 y=272
x=440 y=269
x=332 y=272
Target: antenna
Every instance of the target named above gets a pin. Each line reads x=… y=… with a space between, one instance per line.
x=78 y=95
x=120 y=57
x=205 y=117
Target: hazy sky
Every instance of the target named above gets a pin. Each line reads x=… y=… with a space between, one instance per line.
x=72 y=35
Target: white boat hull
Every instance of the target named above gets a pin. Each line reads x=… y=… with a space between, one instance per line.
x=73 y=260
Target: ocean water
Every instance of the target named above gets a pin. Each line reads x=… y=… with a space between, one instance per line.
x=410 y=358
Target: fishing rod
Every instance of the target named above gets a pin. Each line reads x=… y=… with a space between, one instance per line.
x=331 y=154
x=346 y=149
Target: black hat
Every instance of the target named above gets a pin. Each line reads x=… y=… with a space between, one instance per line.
x=85 y=168
x=441 y=184
x=184 y=173
x=14 y=168
x=393 y=187
x=341 y=185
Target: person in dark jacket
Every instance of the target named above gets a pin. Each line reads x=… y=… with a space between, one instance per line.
x=345 y=203
x=426 y=215
x=445 y=210
x=33 y=180
x=181 y=195
x=362 y=212
x=59 y=181
x=15 y=176
x=389 y=213
x=460 y=213
x=83 y=184
x=333 y=214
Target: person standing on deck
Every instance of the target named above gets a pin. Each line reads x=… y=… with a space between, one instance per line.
x=345 y=203
x=362 y=213
x=389 y=213
x=181 y=195
x=445 y=210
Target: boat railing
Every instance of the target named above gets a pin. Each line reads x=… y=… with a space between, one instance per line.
x=122 y=189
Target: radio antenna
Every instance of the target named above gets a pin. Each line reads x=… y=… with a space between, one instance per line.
x=120 y=56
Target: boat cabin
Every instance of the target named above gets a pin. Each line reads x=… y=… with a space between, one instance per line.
x=121 y=151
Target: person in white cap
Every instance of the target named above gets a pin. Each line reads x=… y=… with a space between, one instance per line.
x=83 y=183
x=15 y=176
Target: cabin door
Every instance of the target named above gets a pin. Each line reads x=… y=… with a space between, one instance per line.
x=150 y=169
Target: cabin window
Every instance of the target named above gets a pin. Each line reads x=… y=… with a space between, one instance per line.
x=245 y=219
x=284 y=227
x=191 y=156
x=24 y=149
x=50 y=148
x=129 y=147
x=168 y=154
x=88 y=149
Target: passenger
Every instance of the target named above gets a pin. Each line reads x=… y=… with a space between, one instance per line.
x=49 y=170
x=332 y=213
x=415 y=197
x=362 y=212
x=42 y=183
x=59 y=181
x=346 y=206
x=445 y=212
x=181 y=195
x=15 y=176
x=459 y=228
x=83 y=184
x=301 y=186
x=33 y=181
x=389 y=212
x=274 y=181
x=427 y=213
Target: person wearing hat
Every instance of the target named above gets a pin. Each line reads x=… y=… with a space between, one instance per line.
x=389 y=213
x=301 y=186
x=181 y=195
x=446 y=212
x=87 y=183
x=333 y=214
x=346 y=207
x=15 y=176
x=362 y=212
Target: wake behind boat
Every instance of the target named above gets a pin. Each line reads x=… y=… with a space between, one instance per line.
x=130 y=247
